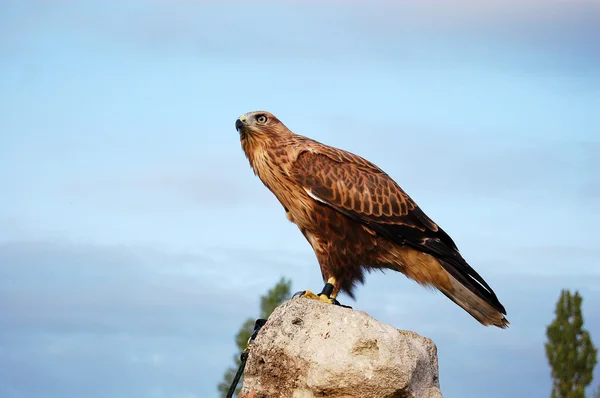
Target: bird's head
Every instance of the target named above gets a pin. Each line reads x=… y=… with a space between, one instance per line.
x=259 y=132
x=259 y=125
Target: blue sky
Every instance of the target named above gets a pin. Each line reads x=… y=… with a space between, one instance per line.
x=134 y=238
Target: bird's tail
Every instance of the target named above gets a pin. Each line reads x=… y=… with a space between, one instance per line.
x=474 y=304
x=453 y=277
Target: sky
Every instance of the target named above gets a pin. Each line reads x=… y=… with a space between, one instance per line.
x=135 y=239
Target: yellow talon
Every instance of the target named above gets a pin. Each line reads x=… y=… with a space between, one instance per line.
x=326 y=296
x=320 y=297
x=310 y=295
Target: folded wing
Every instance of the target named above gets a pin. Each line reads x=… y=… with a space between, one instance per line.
x=363 y=192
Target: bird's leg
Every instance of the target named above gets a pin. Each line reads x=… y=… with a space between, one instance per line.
x=326 y=295
x=328 y=289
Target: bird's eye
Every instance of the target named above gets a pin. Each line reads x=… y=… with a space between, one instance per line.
x=262 y=119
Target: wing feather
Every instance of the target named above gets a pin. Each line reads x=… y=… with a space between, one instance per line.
x=362 y=191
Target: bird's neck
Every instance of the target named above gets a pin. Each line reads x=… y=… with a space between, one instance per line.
x=269 y=158
x=254 y=149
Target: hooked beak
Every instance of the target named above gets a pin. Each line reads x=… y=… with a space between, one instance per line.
x=240 y=123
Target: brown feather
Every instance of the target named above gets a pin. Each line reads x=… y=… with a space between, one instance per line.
x=357 y=218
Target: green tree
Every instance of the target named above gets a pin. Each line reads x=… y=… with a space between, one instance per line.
x=570 y=351
x=277 y=295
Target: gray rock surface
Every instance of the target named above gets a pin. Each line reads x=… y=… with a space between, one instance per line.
x=311 y=349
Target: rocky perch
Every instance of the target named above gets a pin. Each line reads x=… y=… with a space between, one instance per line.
x=311 y=349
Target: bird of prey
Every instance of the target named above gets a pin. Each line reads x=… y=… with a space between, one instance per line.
x=356 y=218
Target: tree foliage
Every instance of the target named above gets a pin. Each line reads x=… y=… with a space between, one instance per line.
x=570 y=351
x=268 y=302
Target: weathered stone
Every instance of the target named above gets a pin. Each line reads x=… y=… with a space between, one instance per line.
x=311 y=349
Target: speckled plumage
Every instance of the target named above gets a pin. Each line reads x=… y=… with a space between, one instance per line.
x=357 y=218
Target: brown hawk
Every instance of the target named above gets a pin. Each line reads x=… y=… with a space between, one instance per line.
x=357 y=218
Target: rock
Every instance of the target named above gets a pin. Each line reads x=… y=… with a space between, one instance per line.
x=311 y=349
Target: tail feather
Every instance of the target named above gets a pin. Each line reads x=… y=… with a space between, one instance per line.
x=453 y=277
x=474 y=304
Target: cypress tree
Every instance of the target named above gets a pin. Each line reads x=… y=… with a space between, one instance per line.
x=570 y=351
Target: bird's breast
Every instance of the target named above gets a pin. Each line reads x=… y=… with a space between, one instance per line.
x=291 y=195
x=317 y=223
